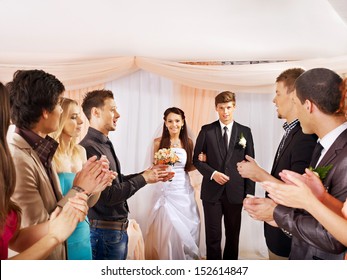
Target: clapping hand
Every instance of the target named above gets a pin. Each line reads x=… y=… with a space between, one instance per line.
x=310 y=179
x=64 y=221
x=344 y=209
x=249 y=169
x=260 y=208
x=294 y=193
x=95 y=175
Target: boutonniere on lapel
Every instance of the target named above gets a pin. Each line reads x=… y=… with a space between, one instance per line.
x=321 y=171
x=242 y=142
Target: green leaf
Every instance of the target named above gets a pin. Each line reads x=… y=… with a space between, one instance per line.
x=321 y=170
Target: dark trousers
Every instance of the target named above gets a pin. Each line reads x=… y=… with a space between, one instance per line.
x=213 y=213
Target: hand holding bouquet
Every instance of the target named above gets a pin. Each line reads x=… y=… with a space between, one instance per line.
x=166 y=157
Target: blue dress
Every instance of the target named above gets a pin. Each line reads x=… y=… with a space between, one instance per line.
x=78 y=244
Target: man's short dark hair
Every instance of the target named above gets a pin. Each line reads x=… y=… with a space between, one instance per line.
x=288 y=77
x=95 y=98
x=322 y=87
x=31 y=92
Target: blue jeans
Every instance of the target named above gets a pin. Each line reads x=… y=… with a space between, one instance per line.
x=108 y=244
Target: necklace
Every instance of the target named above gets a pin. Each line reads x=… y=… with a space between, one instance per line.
x=175 y=144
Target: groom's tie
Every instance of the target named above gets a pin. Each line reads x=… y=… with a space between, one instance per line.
x=316 y=154
x=225 y=138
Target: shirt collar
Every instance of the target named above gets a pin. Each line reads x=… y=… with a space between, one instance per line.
x=289 y=126
x=330 y=138
x=98 y=135
x=44 y=147
x=229 y=126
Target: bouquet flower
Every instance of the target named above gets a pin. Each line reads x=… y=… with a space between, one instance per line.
x=242 y=141
x=165 y=156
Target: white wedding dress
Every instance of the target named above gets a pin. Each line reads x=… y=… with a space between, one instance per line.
x=174 y=223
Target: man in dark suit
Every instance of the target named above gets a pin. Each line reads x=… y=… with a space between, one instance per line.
x=320 y=106
x=225 y=142
x=294 y=153
x=319 y=102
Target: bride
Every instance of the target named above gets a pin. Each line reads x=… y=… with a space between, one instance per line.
x=174 y=223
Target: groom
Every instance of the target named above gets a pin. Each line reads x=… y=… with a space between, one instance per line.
x=225 y=143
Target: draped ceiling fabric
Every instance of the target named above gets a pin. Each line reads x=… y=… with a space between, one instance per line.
x=255 y=78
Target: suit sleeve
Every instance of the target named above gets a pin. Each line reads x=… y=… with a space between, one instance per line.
x=200 y=147
x=119 y=191
x=27 y=194
x=249 y=184
x=305 y=227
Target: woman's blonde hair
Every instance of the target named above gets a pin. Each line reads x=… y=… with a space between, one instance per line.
x=72 y=150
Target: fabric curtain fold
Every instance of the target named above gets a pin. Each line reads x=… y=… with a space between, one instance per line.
x=255 y=78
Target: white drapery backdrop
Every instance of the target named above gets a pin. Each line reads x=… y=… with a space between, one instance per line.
x=141 y=99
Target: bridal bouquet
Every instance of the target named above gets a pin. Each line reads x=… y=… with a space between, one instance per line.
x=166 y=156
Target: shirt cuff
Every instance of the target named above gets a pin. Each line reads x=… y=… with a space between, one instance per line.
x=211 y=178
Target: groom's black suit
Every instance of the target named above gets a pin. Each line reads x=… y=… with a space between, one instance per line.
x=227 y=199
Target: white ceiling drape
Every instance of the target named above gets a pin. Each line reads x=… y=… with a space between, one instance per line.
x=255 y=78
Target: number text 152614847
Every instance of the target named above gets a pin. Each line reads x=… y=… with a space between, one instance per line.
x=230 y=270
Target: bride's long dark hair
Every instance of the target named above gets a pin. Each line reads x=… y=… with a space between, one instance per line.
x=187 y=143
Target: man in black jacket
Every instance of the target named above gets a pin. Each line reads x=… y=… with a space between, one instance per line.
x=294 y=153
x=108 y=218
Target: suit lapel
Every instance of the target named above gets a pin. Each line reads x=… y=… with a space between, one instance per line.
x=333 y=151
x=286 y=145
x=56 y=183
x=55 y=189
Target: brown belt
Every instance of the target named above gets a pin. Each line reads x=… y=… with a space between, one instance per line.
x=116 y=225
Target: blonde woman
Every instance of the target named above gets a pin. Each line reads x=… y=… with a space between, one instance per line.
x=68 y=160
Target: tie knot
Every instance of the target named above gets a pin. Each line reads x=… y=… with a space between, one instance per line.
x=225 y=129
x=319 y=147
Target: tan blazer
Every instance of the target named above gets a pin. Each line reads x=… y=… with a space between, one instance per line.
x=34 y=192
